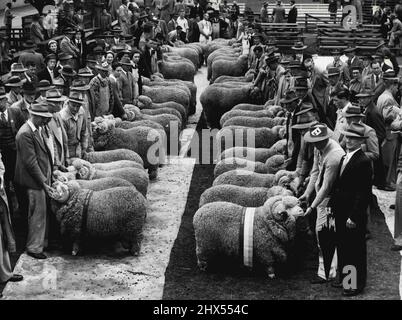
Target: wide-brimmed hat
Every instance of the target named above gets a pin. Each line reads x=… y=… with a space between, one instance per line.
x=290 y=96
x=102 y=67
x=28 y=88
x=318 y=132
x=40 y=109
x=116 y=30
x=350 y=49
x=299 y=46
x=14 y=82
x=365 y=94
x=271 y=59
x=352 y=110
x=98 y=50
x=305 y=120
x=389 y=75
x=336 y=52
x=44 y=85
x=333 y=71
x=3 y=93
x=18 y=67
x=50 y=57
x=68 y=71
x=69 y=30
x=65 y=56
x=55 y=95
x=79 y=85
x=76 y=97
x=29 y=44
x=85 y=73
x=58 y=81
x=355 y=130
x=126 y=62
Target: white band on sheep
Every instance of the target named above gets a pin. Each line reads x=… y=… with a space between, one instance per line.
x=248 y=237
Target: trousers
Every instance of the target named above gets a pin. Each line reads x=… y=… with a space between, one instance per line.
x=37 y=220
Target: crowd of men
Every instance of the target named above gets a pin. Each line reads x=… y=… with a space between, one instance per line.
x=342 y=127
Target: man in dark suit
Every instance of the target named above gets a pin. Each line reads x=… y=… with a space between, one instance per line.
x=292 y=15
x=349 y=202
x=33 y=172
x=196 y=10
x=127 y=82
x=49 y=72
x=374 y=82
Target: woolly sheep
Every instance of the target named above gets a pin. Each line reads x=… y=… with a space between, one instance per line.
x=223 y=53
x=145 y=102
x=254 y=122
x=223 y=67
x=177 y=70
x=113 y=155
x=217 y=232
x=117 y=213
x=248 y=77
x=245 y=178
x=186 y=52
x=254 y=114
x=167 y=94
x=103 y=183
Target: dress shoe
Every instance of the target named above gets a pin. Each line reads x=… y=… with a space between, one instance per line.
x=16 y=278
x=37 y=255
x=392 y=207
x=351 y=292
x=318 y=280
x=396 y=247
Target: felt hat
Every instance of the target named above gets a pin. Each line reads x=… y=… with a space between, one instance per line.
x=58 y=81
x=355 y=130
x=2 y=93
x=98 y=50
x=68 y=71
x=79 y=85
x=65 y=56
x=365 y=94
x=14 y=81
x=85 y=73
x=55 y=95
x=305 y=120
x=50 y=57
x=126 y=62
x=29 y=44
x=334 y=72
x=290 y=96
x=18 y=67
x=353 y=68
x=28 y=88
x=40 y=109
x=353 y=111
x=102 y=67
x=271 y=59
x=76 y=97
x=299 y=46
x=318 y=132
x=44 y=85
x=389 y=75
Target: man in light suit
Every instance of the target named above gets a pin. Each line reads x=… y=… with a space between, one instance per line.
x=127 y=82
x=33 y=172
x=278 y=13
x=374 y=82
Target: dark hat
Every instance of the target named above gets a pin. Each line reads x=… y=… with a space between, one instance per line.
x=2 y=93
x=368 y=57
x=365 y=93
x=79 y=85
x=355 y=130
x=44 y=85
x=69 y=31
x=353 y=111
x=50 y=57
x=318 y=132
x=76 y=97
x=299 y=46
x=333 y=72
x=350 y=49
x=117 y=30
x=290 y=96
x=29 y=44
x=98 y=50
x=85 y=72
x=305 y=120
x=68 y=71
x=28 y=88
x=126 y=62
x=40 y=109
x=103 y=67
x=65 y=56
x=18 y=67
x=55 y=95
x=14 y=81
x=353 y=68
x=271 y=59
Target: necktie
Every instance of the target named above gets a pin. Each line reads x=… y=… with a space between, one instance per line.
x=3 y=118
x=377 y=78
x=258 y=64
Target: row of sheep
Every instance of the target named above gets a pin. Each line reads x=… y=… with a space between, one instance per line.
x=250 y=173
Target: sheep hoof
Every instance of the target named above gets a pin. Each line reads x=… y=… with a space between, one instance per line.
x=153 y=174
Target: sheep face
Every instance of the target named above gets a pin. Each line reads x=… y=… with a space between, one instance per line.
x=60 y=192
x=255 y=95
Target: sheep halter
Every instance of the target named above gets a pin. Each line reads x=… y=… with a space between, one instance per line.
x=246 y=236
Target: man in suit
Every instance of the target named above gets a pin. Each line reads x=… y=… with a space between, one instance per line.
x=33 y=172
x=342 y=66
x=373 y=81
x=14 y=95
x=196 y=10
x=278 y=13
x=353 y=60
x=31 y=74
x=68 y=47
x=379 y=57
x=22 y=106
x=127 y=82
x=8 y=18
x=349 y=202
x=29 y=54
x=327 y=157
x=49 y=72
x=36 y=30
x=292 y=15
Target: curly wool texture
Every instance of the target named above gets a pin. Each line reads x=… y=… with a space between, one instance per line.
x=245 y=178
x=217 y=227
x=178 y=69
x=138 y=139
x=117 y=213
x=223 y=67
x=140 y=123
x=236 y=136
x=103 y=183
x=218 y=99
x=253 y=114
x=167 y=94
x=226 y=53
x=160 y=111
x=255 y=154
x=229 y=164
x=145 y=102
x=113 y=155
x=288 y=179
x=254 y=122
x=275 y=163
x=248 y=77
x=186 y=52
x=117 y=165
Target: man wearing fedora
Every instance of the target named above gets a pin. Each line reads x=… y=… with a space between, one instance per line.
x=353 y=60
x=338 y=63
x=268 y=78
x=349 y=201
x=14 y=84
x=374 y=81
x=33 y=172
x=48 y=73
x=101 y=89
x=327 y=157
x=43 y=87
x=128 y=85
x=75 y=125
x=68 y=46
x=29 y=54
x=298 y=48
x=22 y=106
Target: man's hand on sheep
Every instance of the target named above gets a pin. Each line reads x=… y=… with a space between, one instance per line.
x=304 y=197
x=49 y=190
x=308 y=211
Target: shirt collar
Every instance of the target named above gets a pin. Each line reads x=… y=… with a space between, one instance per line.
x=31 y=125
x=350 y=154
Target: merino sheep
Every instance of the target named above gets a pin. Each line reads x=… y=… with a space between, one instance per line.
x=248 y=77
x=103 y=183
x=223 y=67
x=117 y=213
x=185 y=52
x=218 y=99
x=266 y=113
x=167 y=94
x=254 y=122
x=217 y=229
x=147 y=142
x=179 y=69
x=113 y=155
x=145 y=102
x=245 y=178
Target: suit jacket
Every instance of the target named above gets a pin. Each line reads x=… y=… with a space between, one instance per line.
x=278 y=13
x=357 y=62
x=352 y=190
x=376 y=121
x=12 y=120
x=69 y=47
x=34 y=164
x=13 y=98
x=60 y=139
x=127 y=87
x=117 y=109
x=36 y=33
x=292 y=15
x=378 y=88
x=45 y=75
x=196 y=10
x=31 y=55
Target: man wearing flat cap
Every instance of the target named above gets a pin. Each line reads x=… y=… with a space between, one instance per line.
x=349 y=202
x=33 y=172
x=327 y=157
